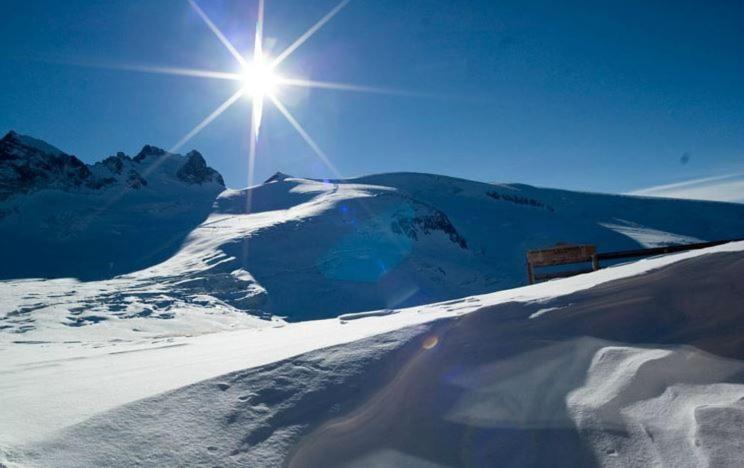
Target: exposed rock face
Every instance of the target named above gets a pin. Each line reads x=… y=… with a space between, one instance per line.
x=196 y=171
x=28 y=165
x=148 y=150
x=424 y=222
x=135 y=180
x=519 y=200
x=116 y=163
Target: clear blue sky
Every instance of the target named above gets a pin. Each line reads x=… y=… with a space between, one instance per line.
x=603 y=95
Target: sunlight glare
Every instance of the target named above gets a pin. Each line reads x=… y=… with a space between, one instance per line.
x=259 y=79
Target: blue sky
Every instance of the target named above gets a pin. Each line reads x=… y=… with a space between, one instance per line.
x=602 y=96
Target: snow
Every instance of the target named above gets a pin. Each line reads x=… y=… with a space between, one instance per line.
x=263 y=396
x=361 y=322
x=34 y=143
x=541 y=312
x=651 y=406
x=648 y=237
x=166 y=260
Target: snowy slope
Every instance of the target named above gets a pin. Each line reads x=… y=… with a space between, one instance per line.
x=401 y=239
x=635 y=365
x=178 y=255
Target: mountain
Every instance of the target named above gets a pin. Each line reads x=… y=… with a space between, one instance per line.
x=177 y=247
x=60 y=217
x=29 y=165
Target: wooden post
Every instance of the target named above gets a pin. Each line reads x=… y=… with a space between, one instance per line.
x=530 y=273
x=595 y=262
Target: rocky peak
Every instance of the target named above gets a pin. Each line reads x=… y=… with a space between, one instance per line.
x=196 y=171
x=116 y=163
x=149 y=150
x=27 y=164
x=28 y=144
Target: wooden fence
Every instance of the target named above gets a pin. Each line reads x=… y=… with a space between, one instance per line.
x=564 y=254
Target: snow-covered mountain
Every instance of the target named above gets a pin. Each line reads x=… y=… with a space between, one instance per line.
x=156 y=237
x=62 y=218
x=29 y=165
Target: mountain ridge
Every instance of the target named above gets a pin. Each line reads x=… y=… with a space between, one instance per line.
x=300 y=248
x=28 y=165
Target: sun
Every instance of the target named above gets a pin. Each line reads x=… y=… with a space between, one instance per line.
x=258 y=79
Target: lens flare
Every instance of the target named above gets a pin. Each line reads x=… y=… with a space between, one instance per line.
x=430 y=342
x=259 y=80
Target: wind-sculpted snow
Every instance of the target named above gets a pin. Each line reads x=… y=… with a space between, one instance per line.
x=676 y=407
x=649 y=237
x=645 y=370
x=253 y=418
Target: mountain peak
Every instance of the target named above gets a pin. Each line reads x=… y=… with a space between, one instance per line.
x=30 y=143
x=149 y=150
x=28 y=165
x=196 y=171
x=278 y=176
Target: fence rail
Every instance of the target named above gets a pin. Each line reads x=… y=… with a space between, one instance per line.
x=661 y=250
x=573 y=254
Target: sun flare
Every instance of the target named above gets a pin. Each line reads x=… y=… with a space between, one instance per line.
x=259 y=79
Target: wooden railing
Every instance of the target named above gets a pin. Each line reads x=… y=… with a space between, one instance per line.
x=575 y=254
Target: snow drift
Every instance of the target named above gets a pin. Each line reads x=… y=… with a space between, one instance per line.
x=644 y=370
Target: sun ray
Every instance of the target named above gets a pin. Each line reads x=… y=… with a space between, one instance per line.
x=160 y=70
x=175 y=71
x=258 y=43
x=255 y=124
x=155 y=164
x=305 y=136
x=207 y=120
x=349 y=87
x=256 y=111
x=258 y=100
x=257 y=115
x=301 y=40
x=228 y=45
x=252 y=150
